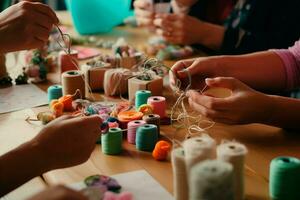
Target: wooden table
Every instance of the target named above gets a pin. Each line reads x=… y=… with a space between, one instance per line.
x=263 y=142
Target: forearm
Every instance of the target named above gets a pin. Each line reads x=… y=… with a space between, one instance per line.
x=19 y=166
x=262 y=70
x=285 y=112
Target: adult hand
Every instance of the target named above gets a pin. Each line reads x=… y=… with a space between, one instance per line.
x=178 y=28
x=59 y=193
x=188 y=3
x=244 y=106
x=25 y=25
x=144 y=12
x=68 y=140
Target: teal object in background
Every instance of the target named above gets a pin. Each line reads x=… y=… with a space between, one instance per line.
x=97 y=16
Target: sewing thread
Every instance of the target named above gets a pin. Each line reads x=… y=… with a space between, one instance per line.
x=146 y=137
x=132 y=127
x=141 y=97
x=111 y=142
x=153 y=119
x=159 y=105
x=54 y=92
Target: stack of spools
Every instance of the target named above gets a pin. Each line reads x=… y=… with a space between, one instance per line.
x=199 y=175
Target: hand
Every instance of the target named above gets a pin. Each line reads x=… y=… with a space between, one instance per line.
x=144 y=12
x=244 y=106
x=68 y=140
x=59 y=193
x=178 y=28
x=25 y=25
x=199 y=69
x=188 y=3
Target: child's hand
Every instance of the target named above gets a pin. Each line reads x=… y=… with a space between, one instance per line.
x=144 y=12
x=67 y=141
x=25 y=25
x=178 y=28
x=244 y=106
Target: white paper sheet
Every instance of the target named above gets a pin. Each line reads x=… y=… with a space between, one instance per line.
x=141 y=184
x=18 y=97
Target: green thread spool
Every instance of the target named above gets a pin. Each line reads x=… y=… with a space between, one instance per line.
x=112 y=141
x=146 y=137
x=211 y=179
x=54 y=92
x=141 y=97
x=284 y=178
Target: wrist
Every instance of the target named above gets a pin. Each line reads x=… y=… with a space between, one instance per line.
x=271 y=109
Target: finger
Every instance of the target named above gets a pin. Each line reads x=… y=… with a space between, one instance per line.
x=142 y=4
x=167 y=16
x=41 y=33
x=226 y=82
x=208 y=113
x=144 y=13
x=46 y=10
x=224 y=121
x=37 y=43
x=144 y=21
x=43 y=21
x=163 y=24
x=213 y=103
x=179 y=67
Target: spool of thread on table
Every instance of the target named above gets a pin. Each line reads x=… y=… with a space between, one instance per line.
x=180 y=184
x=211 y=179
x=141 y=97
x=146 y=137
x=159 y=105
x=153 y=119
x=131 y=130
x=198 y=149
x=235 y=154
x=73 y=80
x=111 y=142
x=125 y=117
x=284 y=178
x=54 y=92
x=67 y=62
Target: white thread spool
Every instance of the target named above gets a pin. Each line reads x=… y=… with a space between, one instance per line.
x=198 y=149
x=211 y=180
x=180 y=184
x=234 y=153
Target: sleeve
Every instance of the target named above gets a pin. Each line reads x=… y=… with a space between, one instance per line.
x=291 y=60
x=269 y=24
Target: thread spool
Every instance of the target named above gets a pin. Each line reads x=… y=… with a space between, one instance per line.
x=211 y=179
x=141 y=97
x=161 y=150
x=132 y=127
x=159 y=105
x=112 y=141
x=198 y=149
x=235 y=154
x=146 y=109
x=284 y=178
x=146 y=137
x=180 y=184
x=153 y=119
x=126 y=116
x=73 y=80
x=67 y=62
x=54 y=92
x=115 y=81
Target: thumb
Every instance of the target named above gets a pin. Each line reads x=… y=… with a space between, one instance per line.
x=225 y=82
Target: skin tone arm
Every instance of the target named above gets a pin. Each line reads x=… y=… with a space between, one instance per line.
x=262 y=71
x=64 y=142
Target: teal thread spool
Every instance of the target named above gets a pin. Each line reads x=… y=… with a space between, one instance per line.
x=54 y=92
x=211 y=179
x=146 y=137
x=112 y=141
x=285 y=178
x=141 y=97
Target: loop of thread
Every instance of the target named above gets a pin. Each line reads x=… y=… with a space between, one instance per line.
x=54 y=92
x=112 y=141
x=146 y=137
x=132 y=127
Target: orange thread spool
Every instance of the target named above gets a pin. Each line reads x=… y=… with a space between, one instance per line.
x=161 y=150
x=67 y=102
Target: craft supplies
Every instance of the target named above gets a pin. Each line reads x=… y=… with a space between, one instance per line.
x=153 y=119
x=113 y=124
x=284 y=178
x=99 y=108
x=198 y=149
x=54 y=92
x=120 y=107
x=122 y=196
x=67 y=62
x=235 y=154
x=115 y=81
x=161 y=150
x=146 y=137
x=218 y=92
x=159 y=105
x=126 y=116
x=94 y=192
x=72 y=81
x=97 y=180
x=211 y=179
x=112 y=141
x=132 y=127
x=180 y=180
x=45 y=117
x=57 y=107
x=153 y=84
x=141 y=97
x=80 y=104
x=145 y=109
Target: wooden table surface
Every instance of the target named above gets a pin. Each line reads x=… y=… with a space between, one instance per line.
x=263 y=142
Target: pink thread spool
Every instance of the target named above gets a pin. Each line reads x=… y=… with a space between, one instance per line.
x=159 y=105
x=131 y=130
x=68 y=62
